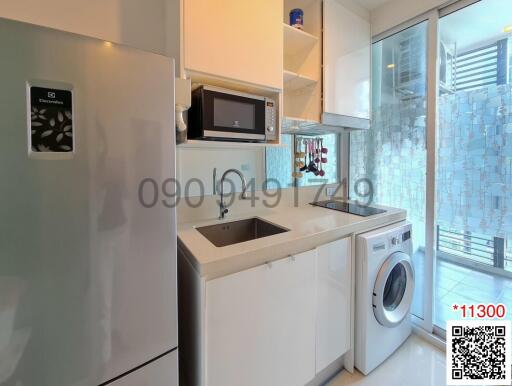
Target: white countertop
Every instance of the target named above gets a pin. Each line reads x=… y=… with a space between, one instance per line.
x=309 y=227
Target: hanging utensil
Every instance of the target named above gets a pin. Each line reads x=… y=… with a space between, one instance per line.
x=312 y=166
x=321 y=172
x=315 y=147
x=298 y=148
x=324 y=149
x=304 y=167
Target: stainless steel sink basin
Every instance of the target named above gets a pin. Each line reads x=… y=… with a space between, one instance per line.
x=235 y=232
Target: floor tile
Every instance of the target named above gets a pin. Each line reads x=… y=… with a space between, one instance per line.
x=508 y=283
x=445 y=264
x=452 y=298
x=451 y=273
x=416 y=363
x=484 y=279
x=481 y=294
x=506 y=298
x=440 y=292
x=457 y=284
x=445 y=282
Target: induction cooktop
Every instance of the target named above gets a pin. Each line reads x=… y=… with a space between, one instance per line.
x=349 y=207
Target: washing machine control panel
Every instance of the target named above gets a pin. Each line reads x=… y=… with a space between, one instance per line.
x=389 y=242
x=399 y=238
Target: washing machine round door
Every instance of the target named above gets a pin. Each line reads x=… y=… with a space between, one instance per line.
x=393 y=290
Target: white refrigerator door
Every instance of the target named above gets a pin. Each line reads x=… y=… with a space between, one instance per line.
x=162 y=372
x=87 y=273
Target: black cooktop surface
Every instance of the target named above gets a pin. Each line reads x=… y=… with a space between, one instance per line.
x=349 y=207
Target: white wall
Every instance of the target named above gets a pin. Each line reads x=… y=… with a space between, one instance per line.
x=199 y=163
x=138 y=23
x=395 y=12
x=355 y=7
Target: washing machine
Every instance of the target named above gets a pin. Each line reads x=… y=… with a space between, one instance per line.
x=384 y=291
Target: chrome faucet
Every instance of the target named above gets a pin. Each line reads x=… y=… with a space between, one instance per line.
x=243 y=196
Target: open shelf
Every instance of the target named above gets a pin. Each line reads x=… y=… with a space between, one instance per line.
x=297 y=41
x=194 y=144
x=293 y=81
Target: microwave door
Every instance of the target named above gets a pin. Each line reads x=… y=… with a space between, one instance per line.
x=231 y=116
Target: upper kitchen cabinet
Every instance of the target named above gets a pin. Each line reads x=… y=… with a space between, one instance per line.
x=347 y=55
x=234 y=41
x=327 y=68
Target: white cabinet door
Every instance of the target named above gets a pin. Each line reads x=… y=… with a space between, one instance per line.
x=234 y=39
x=260 y=325
x=347 y=45
x=333 y=301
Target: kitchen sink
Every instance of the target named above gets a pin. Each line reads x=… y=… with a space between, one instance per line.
x=235 y=232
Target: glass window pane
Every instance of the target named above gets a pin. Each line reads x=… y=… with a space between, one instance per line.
x=280 y=163
x=474 y=159
x=330 y=168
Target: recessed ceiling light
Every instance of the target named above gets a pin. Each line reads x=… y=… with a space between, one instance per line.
x=391 y=65
x=507 y=28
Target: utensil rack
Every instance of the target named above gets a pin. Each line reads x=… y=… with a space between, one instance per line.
x=304 y=149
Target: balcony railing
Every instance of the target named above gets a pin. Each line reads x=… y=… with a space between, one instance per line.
x=481 y=249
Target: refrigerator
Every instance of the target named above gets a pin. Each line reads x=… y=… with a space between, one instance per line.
x=87 y=246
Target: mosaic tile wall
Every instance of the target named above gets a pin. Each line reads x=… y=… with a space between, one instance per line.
x=278 y=164
x=392 y=154
x=474 y=172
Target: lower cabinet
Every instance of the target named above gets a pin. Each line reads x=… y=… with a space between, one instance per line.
x=260 y=325
x=280 y=323
x=333 y=301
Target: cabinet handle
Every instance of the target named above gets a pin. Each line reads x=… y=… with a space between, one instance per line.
x=292 y=257
x=269 y=264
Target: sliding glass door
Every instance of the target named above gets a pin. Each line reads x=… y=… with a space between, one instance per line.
x=440 y=146
x=392 y=154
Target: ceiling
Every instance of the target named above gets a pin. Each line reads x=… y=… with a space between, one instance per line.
x=371 y=4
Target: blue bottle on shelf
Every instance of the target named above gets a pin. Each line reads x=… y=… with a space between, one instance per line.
x=297 y=18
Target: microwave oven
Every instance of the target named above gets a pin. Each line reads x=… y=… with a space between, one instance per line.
x=227 y=115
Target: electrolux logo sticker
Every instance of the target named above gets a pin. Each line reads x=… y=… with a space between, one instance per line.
x=51 y=120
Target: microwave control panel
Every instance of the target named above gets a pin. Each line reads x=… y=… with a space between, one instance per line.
x=270 y=119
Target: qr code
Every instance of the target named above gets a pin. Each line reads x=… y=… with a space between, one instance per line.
x=478 y=352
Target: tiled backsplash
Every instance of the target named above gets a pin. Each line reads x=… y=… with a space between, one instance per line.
x=198 y=163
